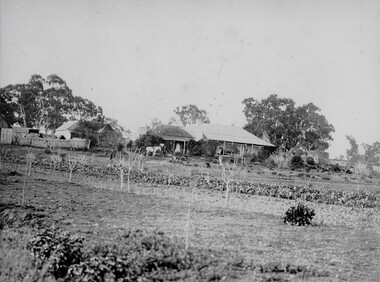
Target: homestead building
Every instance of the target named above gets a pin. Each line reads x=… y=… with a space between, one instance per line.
x=231 y=139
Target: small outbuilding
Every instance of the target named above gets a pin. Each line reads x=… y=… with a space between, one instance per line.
x=69 y=130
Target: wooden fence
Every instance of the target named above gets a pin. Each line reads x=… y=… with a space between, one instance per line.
x=52 y=143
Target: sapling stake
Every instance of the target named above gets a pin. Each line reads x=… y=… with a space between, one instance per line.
x=23 y=186
x=73 y=162
x=128 y=164
x=55 y=159
x=227 y=174
x=29 y=158
x=3 y=155
x=169 y=168
x=188 y=218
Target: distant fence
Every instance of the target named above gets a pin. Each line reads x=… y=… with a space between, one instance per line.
x=53 y=143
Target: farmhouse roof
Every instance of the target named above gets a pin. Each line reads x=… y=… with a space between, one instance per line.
x=69 y=126
x=106 y=128
x=170 y=132
x=226 y=133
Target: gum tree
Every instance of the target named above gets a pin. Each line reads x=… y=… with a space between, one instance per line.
x=287 y=125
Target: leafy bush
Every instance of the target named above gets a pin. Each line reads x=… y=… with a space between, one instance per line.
x=335 y=167
x=138 y=256
x=57 y=248
x=47 y=151
x=129 y=144
x=310 y=161
x=361 y=169
x=269 y=163
x=120 y=147
x=208 y=148
x=195 y=148
x=264 y=153
x=300 y=215
x=280 y=161
x=296 y=162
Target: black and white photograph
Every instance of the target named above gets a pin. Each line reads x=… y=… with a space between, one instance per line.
x=189 y=140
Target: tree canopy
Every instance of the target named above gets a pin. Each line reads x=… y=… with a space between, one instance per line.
x=191 y=114
x=287 y=126
x=45 y=103
x=371 y=152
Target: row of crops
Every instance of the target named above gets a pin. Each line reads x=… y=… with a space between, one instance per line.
x=359 y=198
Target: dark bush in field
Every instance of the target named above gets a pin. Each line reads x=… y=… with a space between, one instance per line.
x=264 y=153
x=310 y=161
x=120 y=147
x=251 y=158
x=296 y=162
x=300 y=215
x=335 y=168
x=58 y=249
x=138 y=256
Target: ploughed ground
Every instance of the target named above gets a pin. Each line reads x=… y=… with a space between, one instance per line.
x=342 y=245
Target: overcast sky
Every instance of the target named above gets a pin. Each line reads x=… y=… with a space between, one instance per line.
x=141 y=59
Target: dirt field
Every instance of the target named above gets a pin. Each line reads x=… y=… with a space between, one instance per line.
x=342 y=245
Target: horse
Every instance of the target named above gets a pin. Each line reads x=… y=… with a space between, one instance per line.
x=153 y=150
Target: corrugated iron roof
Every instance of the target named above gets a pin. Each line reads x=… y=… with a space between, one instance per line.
x=224 y=133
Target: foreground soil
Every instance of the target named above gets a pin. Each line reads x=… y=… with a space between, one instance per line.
x=343 y=245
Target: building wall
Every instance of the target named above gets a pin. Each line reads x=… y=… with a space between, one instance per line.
x=6 y=135
x=64 y=133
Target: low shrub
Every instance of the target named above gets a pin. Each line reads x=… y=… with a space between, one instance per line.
x=270 y=163
x=16 y=262
x=138 y=256
x=296 y=162
x=310 y=161
x=58 y=249
x=281 y=161
x=300 y=215
x=252 y=158
x=361 y=169
x=335 y=168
